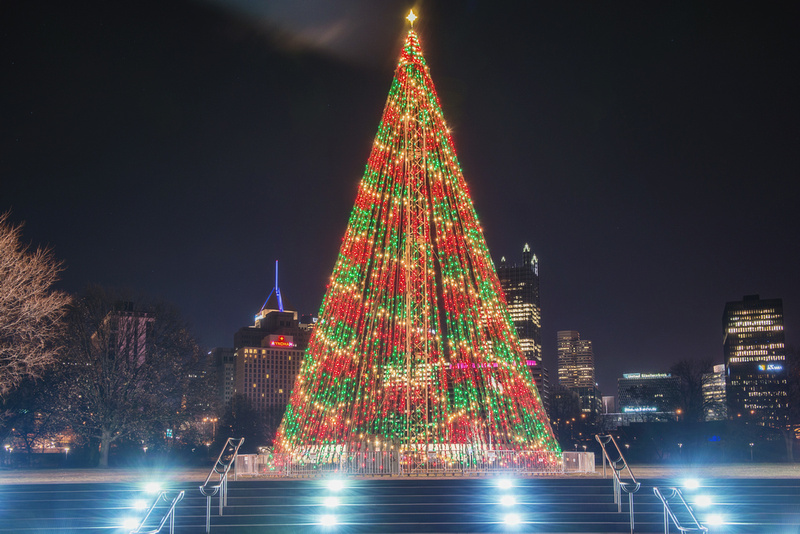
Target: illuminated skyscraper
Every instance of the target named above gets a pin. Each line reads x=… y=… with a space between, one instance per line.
x=576 y=368
x=521 y=286
x=715 y=403
x=755 y=359
x=268 y=354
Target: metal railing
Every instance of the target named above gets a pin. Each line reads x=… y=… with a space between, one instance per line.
x=669 y=513
x=579 y=462
x=169 y=514
x=617 y=466
x=226 y=458
x=412 y=463
x=484 y=462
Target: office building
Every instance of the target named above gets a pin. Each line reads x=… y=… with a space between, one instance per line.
x=755 y=360
x=576 y=369
x=520 y=284
x=224 y=361
x=609 y=404
x=649 y=393
x=715 y=404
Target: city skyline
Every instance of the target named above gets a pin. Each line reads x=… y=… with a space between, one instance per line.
x=646 y=154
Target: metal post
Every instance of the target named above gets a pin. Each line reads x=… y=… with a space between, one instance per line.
x=630 y=510
x=208 y=514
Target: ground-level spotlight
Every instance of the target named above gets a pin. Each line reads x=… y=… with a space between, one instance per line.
x=715 y=520
x=130 y=523
x=152 y=487
x=508 y=500
x=512 y=519
x=504 y=483
x=691 y=483
x=327 y=520
x=702 y=501
x=336 y=484
x=331 y=502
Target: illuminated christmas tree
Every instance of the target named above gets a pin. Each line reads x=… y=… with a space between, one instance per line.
x=414 y=347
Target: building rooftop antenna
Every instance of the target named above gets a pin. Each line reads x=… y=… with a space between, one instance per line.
x=277 y=288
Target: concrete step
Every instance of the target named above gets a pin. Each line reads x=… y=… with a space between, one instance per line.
x=543 y=505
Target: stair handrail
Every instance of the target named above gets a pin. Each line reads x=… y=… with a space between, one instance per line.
x=221 y=468
x=669 y=514
x=617 y=466
x=169 y=515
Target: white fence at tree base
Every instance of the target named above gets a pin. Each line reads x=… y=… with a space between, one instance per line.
x=390 y=463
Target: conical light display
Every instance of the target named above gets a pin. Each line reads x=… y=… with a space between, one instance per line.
x=414 y=348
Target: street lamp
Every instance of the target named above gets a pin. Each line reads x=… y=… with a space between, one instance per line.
x=751 y=451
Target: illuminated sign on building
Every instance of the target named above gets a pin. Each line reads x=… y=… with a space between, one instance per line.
x=639 y=409
x=281 y=341
x=646 y=375
x=770 y=367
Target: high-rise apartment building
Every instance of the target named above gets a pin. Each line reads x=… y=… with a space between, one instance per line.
x=521 y=287
x=755 y=359
x=576 y=368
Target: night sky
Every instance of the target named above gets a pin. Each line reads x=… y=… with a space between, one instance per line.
x=648 y=151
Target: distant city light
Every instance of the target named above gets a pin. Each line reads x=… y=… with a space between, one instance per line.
x=715 y=519
x=139 y=504
x=331 y=502
x=152 y=487
x=512 y=519
x=638 y=409
x=327 y=520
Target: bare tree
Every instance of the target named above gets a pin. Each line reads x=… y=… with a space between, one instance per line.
x=31 y=414
x=693 y=376
x=565 y=413
x=31 y=312
x=129 y=369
